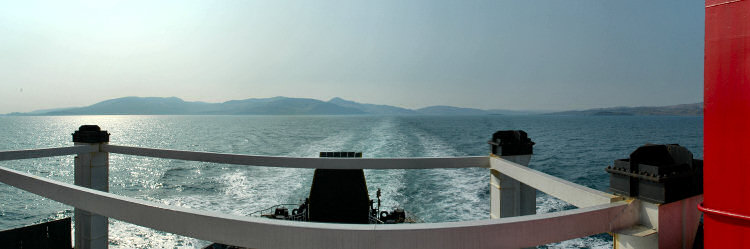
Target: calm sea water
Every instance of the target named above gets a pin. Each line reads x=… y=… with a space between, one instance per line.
x=571 y=147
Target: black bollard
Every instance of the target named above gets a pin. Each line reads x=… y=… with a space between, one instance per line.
x=658 y=173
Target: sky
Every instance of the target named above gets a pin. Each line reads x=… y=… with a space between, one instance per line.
x=519 y=55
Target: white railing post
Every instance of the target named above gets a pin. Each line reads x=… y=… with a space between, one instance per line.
x=508 y=196
x=91 y=171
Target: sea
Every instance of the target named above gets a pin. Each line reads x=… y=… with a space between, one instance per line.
x=575 y=148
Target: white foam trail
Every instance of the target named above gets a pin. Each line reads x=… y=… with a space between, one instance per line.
x=586 y=242
x=460 y=189
x=251 y=189
x=386 y=140
x=133 y=236
x=434 y=146
x=248 y=191
x=547 y=204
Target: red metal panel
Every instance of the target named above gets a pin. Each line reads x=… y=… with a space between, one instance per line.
x=727 y=123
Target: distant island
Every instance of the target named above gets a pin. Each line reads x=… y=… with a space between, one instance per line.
x=695 y=109
x=307 y=106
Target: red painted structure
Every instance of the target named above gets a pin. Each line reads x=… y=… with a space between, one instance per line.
x=727 y=124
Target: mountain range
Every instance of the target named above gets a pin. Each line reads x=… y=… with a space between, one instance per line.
x=307 y=106
x=695 y=109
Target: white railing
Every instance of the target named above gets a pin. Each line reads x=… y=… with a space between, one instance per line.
x=575 y=194
x=598 y=213
x=50 y=152
x=305 y=162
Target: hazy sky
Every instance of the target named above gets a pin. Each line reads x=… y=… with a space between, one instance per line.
x=524 y=54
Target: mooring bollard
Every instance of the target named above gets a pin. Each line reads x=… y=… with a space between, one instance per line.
x=667 y=182
x=508 y=196
x=91 y=171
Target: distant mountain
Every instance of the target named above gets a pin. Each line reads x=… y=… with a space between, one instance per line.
x=177 y=106
x=49 y=110
x=695 y=109
x=291 y=106
x=372 y=109
x=36 y=112
x=430 y=110
x=306 y=106
x=451 y=110
x=135 y=105
x=515 y=112
x=263 y=106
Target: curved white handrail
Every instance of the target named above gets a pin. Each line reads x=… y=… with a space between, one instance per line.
x=303 y=162
x=575 y=194
x=48 y=152
x=515 y=232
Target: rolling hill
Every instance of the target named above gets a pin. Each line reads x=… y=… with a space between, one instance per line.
x=307 y=106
